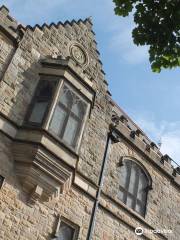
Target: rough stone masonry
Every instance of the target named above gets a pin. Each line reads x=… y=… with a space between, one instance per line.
x=48 y=187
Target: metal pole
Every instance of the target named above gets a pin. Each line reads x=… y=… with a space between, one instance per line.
x=100 y=183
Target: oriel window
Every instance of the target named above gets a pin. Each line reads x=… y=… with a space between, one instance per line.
x=59 y=108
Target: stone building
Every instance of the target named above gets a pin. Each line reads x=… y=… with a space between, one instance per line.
x=73 y=165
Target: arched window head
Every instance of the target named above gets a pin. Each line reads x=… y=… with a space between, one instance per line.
x=134 y=185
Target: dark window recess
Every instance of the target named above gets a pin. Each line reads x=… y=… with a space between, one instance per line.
x=41 y=101
x=133 y=187
x=68 y=116
x=1 y=181
x=66 y=232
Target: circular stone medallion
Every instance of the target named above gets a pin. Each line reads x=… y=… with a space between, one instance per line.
x=78 y=54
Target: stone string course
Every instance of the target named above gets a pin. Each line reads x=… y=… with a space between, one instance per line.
x=21 y=49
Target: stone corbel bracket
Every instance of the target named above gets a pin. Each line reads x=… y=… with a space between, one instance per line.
x=42 y=175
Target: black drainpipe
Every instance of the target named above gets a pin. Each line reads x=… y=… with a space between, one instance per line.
x=111 y=137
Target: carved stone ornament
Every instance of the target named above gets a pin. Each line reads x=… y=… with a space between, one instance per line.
x=78 y=53
x=42 y=176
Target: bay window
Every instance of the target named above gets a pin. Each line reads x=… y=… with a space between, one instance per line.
x=47 y=145
x=60 y=109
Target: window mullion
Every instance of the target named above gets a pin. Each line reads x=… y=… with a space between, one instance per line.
x=53 y=104
x=128 y=181
x=76 y=117
x=78 y=130
x=136 y=185
x=68 y=113
x=67 y=118
x=69 y=108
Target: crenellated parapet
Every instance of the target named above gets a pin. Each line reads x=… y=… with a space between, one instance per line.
x=8 y=24
x=135 y=136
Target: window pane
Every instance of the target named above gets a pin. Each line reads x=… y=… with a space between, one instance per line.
x=43 y=96
x=71 y=131
x=45 y=90
x=121 y=195
x=38 y=112
x=139 y=208
x=78 y=109
x=133 y=178
x=123 y=174
x=58 y=120
x=65 y=232
x=67 y=97
x=129 y=201
x=142 y=187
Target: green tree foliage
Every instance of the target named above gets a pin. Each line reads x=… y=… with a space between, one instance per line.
x=157 y=25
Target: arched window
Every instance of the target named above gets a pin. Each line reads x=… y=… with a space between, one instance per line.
x=134 y=186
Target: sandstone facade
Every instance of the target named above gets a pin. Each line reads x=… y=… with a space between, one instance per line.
x=45 y=180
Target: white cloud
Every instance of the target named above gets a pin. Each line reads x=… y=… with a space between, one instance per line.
x=171 y=145
x=122 y=41
x=167 y=132
x=123 y=44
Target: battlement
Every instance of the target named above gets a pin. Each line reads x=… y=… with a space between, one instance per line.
x=136 y=136
x=8 y=24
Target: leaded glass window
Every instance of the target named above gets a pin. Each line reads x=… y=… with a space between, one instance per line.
x=68 y=116
x=134 y=185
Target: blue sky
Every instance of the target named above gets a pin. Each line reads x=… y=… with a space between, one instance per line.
x=152 y=100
